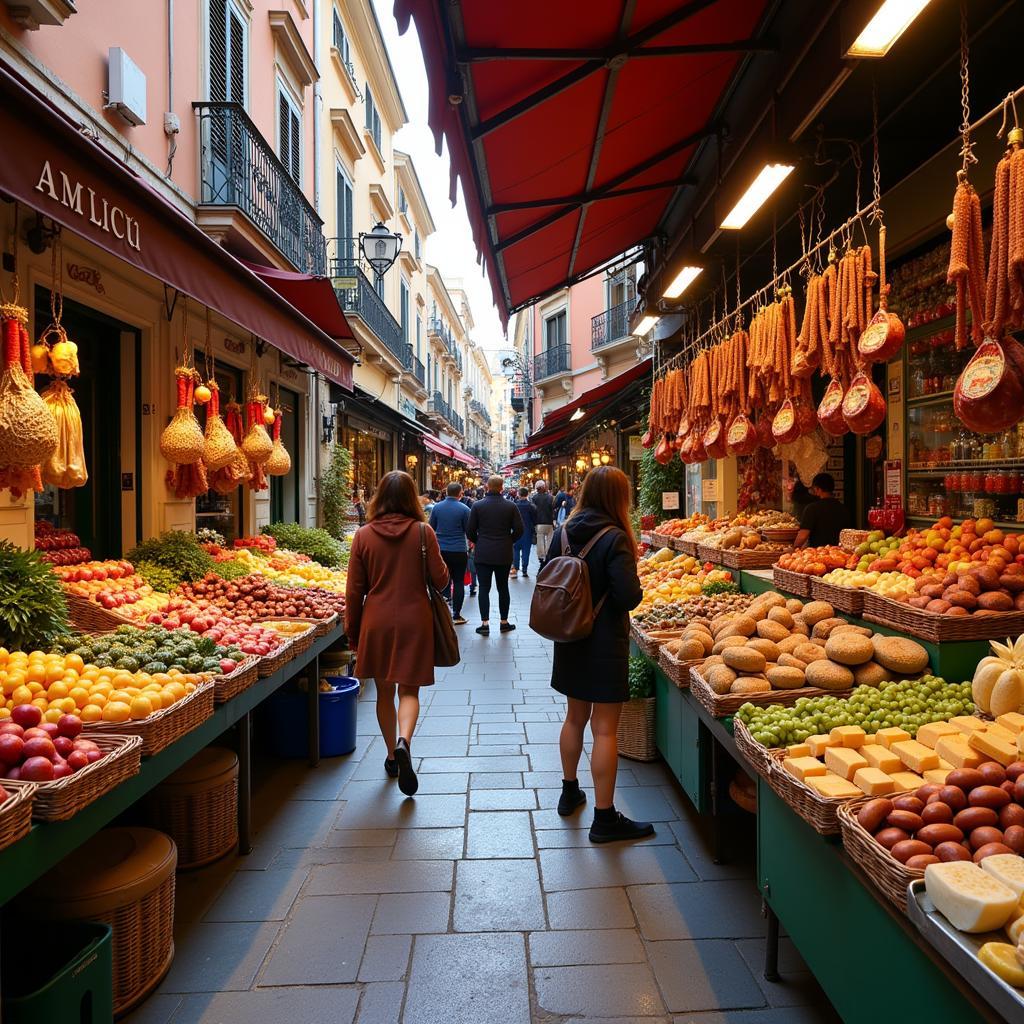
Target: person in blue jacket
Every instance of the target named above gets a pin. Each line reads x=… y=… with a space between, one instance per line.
x=521 y=548
x=448 y=519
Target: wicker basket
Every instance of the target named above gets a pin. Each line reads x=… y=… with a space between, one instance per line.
x=660 y=540
x=707 y=553
x=851 y=539
x=798 y=583
x=636 y=734
x=820 y=812
x=885 y=871
x=687 y=547
x=324 y=626
x=270 y=664
x=678 y=671
x=736 y=558
x=940 y=628
x=299 y=643
x=757 y=756
x=123 y=877
x=16 y=812
x=646 y=537
x=162 y=728
x=89 y=617
x=843 y=599
x=780 y=534
x=721 y=705
x=651 y=645
x=197 y=807
x=60 y=800
x=231 y=685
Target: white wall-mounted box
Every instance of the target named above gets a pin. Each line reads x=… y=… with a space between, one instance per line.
x=126 y=87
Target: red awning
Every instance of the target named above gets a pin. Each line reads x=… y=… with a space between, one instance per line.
x=437 y=446
x=577 y=123
x=543 y=437
x=57 y=169
x=469 y=461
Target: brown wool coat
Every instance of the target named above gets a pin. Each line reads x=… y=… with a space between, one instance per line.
x=387 y=613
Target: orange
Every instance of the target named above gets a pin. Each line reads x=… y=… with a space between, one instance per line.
x=99 y=699
x=983 y=526
x=57 y=690
x=80 y=695
x=52 y=715
x=41 y=702
x=141 y=707
x=36 y=688
x=53 y=673
x=91 y=713
x=75 y=662
x=36 y=673
x=123 y=679
x=103 y=686
x=22 y=694
x=117 y=711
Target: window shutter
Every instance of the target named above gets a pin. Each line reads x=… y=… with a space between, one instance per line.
x=369 y=109
x=295 y=167
x=236 y=74
x=218 y=51
x=284 y=129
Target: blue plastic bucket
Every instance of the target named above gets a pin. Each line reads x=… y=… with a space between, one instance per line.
x=338 y=709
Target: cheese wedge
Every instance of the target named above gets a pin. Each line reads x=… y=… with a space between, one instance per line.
x=879 y=757
x=803 y=768
x=833 y=786
x=799 y=750
x=873 y=782
x=887 y=737
x=906 y=781
x=967 y=723
x=938 y=776
x=1008 y=868
x=819 y=744
x=955 y=750
x=931 y=733
x=844 y=761
x=1000 y=731
x=849 y=735
x=1012 y=720
x=993 y=746
x=971 y=899
x=916 y=756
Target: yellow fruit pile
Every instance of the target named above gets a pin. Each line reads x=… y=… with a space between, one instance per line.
x=60 y=684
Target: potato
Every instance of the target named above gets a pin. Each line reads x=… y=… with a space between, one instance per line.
x=849 y=627
x=870 y=674
x=995 y=601
x=809 y=652
x=728 y=641
x=750 y=684
x=791 y=661
x=827 y=675
x=769 y=649
x=794 y=606
x=849 y=648
x=815 y=611
x=689 y=650
x=744 y=659
x=720 y=678
x=824 y=627
x=782 y=617
x=715 y=659
x=790 y=644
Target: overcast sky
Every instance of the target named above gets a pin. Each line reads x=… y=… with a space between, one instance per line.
x=451 y=248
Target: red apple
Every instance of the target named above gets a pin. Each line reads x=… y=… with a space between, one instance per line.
x=93 y=755
x=39 y=747
x=85 y=744
x=63 y=745
x=11 y=748
x=50 y=728
x=69 y=725
x=13 y=773
x=11 y=728
x=35 y=731
x=77 y=759
x=37 y=769
x=26 y=715
x=62 y=770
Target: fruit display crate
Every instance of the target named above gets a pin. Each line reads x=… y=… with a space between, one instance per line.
x=924 y=625
x=16 y=812
x=797 y=583
x=678 y=671
x=735 y=558
x=245 y=674
x=720 y=705
x=843 y=599
x=89 y=617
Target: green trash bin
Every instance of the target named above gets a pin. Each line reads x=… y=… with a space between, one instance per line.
x=81 y=991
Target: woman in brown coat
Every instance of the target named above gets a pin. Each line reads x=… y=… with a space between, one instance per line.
x=387 y=613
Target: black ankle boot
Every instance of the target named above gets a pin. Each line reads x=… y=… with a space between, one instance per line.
x=571 y=798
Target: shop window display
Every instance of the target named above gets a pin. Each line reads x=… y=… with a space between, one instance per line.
x=216 y=511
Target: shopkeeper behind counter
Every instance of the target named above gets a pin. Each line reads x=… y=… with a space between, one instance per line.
x=824 y=517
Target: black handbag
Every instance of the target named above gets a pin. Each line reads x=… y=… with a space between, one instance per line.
x=446 y=641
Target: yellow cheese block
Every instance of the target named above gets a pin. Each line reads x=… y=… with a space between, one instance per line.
x=967 y=723
x=1020 y=744
x=819 y=744
x=1008 y=868
x=1012 y=720
x=968 y=897
x=803 y=767
x=931 y=733
x=938 y=776
x=849 y=735
x=906 y=781
x=799 y=750
x=832 y=785
x=879 y=757
x=873 y=782
x=844 y=761
x=916 y=756
x=956 y=751
x=994 y=746
x=887 y=737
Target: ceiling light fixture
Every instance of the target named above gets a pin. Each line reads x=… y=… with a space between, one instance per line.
x=890 y=21
x=681 y=282
x=760 y=190
x=645 y=325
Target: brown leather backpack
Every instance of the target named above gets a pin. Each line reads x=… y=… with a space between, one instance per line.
x=562 y=608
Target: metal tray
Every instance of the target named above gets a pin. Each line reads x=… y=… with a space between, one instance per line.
x=961 y=950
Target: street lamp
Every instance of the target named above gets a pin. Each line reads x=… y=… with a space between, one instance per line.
x=380 y=247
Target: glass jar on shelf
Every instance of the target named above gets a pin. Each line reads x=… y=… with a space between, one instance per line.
x=917 y=382
x=983 y=508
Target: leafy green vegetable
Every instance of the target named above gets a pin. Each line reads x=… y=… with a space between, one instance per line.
x=336 y=490
x=654 y=480
x=641 y=677
x=177 y=551
x=159 y=578
x=318 y=544
x=720 y=587
x=232 y=570
x=33 y=611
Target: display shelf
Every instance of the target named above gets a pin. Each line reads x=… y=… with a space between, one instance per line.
x=945 y=467
x=935 y=398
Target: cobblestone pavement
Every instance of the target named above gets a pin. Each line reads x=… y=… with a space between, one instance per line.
x=475 y=901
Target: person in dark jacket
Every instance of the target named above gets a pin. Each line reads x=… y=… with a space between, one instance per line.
x=594 y=672
x=494 y=524
x=521 y=549
x=545 y=509
x=448 y=520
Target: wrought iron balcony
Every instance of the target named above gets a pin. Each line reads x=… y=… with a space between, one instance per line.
x=417 y=369
x=438 y=327
x=359 y=298
x=480 y=409
x=552 y=361
x=518 y=400
x=610 y=326
x=437 y=406
x=238 y=168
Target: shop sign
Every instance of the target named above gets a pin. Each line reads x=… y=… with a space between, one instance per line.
x=233 y=345
x=636 y=449
x=354 y=423
x=893 y=478
x=84 y=201
x=86 y=275
x=669 y=500
x=709 y=490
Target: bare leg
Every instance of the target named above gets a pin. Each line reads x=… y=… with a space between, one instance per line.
x=386 y=715
x=570 y=740
x=408 y=711
x=604 y=758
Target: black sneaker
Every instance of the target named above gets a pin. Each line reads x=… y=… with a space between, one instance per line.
x=459 y=620
x=568 y=802
x=391 y=767
x=507 y=627
x=525 y=575
x=620 y=827
x=484 y=630
x=407 y=781
x=472 y=591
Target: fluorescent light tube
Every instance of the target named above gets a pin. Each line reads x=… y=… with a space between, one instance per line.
x=760 y=190
x=681 y=282
x=577 y=415
x=645 y=325
x=891 y=20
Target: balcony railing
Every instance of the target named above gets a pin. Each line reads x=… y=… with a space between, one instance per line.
x=439 y=328
x=518 y=401
x=551 y=361
x=439 y=407
x=480 y=409
x=358 y=297
x=417 y=369
x=610 y=326
x=239 y=168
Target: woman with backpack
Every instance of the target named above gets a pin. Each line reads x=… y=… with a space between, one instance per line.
x=593 y=672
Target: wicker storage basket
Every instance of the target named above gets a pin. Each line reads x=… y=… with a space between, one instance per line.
x=651 y=644
x=780 y=534
x=850 y=539
x=734 y=558
x=197 y=807
x=636 y=729
x=757 y=756
x=299 y=643
x=720 y=705
x=324 y=626
x=123 y=877
x=885 y=871
x=941 y=628
x=162 y=728
x=707 y=553
x=646 y=537
x=678 y=671
x=272 y=662
x=843 y=599
x=16 y=812
x=60 y=800
x=660 y=540
x=818 y=811
x=798 y=583
x=687 y=547
x=226 y=687
x=89 y=617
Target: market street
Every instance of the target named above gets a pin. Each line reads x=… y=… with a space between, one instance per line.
x=474 y=900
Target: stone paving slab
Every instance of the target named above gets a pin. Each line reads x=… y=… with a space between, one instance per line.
x=498 y=896
x=618 y=989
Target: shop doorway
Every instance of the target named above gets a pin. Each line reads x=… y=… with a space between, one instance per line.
x=284 y=490
x=94 y=511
